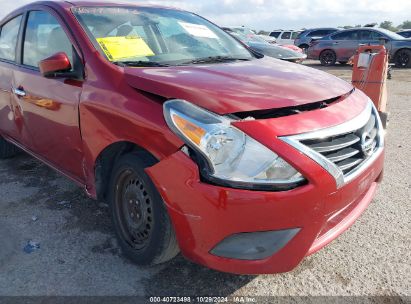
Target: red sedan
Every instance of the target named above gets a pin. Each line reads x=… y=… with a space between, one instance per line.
x=243 y=163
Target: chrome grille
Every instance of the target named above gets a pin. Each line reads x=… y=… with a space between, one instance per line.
x=350 y=150
x=344 y=150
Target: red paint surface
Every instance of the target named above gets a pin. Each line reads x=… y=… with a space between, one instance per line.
x=69 y=123
x=203 y=215
x=240 y=86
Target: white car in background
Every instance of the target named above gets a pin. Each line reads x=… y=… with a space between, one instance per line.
x=285 y=37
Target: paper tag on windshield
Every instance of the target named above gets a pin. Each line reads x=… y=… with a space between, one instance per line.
x=118 y=48
x=198 y=30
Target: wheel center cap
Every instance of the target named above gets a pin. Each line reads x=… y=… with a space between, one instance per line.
x=134 y=210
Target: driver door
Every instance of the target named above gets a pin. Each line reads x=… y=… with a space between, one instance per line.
x=375 y=38
x=345 y=44
x=49 y=106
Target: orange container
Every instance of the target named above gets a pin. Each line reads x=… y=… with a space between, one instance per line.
x=370 y=69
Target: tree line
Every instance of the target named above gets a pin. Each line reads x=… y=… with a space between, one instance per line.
x=388 y=25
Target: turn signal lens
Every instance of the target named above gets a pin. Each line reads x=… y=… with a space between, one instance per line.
x=192 y=131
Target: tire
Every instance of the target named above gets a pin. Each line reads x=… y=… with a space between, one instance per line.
x=403 y=58
x=343 y=62
x=328 y=58
x=7 y=149
x=140 y=219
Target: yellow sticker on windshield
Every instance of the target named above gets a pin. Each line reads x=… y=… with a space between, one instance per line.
x=119 y=48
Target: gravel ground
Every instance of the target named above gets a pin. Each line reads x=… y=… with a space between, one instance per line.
x=78 y=255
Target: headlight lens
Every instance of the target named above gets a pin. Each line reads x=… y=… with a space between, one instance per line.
x=230 y=154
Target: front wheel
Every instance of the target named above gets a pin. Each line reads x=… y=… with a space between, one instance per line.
x=328 y=58
x=140 y=219
x=403 y=59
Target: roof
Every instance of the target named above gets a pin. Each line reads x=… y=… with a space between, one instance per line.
x=109 y=3
x=362 y=28
x=321 y=28
x=286 y=31
x=74 y=3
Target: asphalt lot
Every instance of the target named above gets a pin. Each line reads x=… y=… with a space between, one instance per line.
x=78 y=255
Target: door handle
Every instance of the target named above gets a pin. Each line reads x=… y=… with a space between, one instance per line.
x=19 y=92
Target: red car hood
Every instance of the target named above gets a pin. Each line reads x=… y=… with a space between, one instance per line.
x=239 y=86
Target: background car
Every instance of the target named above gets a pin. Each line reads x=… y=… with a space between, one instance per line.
x=279 y=52
x=271 y=40
x=304 y=38
x=248 y=32
x=405 y=33
x=285 y=37
x=267 y=38
x=292 y=47
x=342 y=45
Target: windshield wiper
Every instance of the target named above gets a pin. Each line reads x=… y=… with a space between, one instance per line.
x=213 y=59
x=140 y=64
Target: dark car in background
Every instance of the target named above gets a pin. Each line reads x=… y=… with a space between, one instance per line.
x=405 y=33
x=342 y=45
x=263 y=47
x=306 y=37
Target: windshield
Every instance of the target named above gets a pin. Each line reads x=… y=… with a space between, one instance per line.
x=154 y=36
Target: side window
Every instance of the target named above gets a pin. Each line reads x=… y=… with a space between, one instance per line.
x=8 y=39
x=275 y=34
x=377 y=36
x=315 y=34
x=301 y=34
x=350 y=35
x=354 y=35
x=321 y=33
x=295 y=35
x=286 y=35
x=339 y=36
x=366 y=35
x=44 y=37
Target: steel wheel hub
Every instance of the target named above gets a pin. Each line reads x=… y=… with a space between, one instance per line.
x=135 y=210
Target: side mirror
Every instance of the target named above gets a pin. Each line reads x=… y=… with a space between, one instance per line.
x=55 y=65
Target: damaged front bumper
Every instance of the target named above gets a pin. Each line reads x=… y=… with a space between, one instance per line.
x=256 y=232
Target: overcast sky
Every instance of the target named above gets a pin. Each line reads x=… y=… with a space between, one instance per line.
x=285 y=14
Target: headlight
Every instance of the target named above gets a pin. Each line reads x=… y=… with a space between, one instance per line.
x=229 y=156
